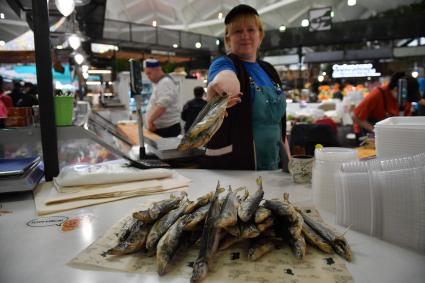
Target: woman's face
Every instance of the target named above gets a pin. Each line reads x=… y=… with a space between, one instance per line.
x=244 y=39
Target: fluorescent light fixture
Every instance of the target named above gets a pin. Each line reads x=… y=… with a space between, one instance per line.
x=351 y=2
x=332 y=14
x=217 y=42
x=198 y=44
x=154 y=23
x=93 y=83
x=74 y=41
x=66 y=7
x=415 y=74
x=220 y=15
x=78 y=58
x=282 y=28
x=1 y=16
x=305 y=23
x=2 y=43
x=102 y=48
x=175 y=45
x=99 y=71
x=320 y=78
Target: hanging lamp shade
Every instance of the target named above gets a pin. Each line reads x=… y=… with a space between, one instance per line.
x=66 y=7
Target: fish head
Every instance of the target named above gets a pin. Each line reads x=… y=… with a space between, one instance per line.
x=200 y=270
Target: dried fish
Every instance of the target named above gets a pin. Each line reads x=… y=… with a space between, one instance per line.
x=263 y=226
x=249 y=230
x=159 y=208
x=259 y=247
x=316 y=240
x=135 y=240
x=163 y=224
x=247 y=208
x=229 y=210
x=262 y=214
x=196 y=218
x=168 y=244
x=209 y=240
x=207 y=122
x=337 y=242
x=200 y=201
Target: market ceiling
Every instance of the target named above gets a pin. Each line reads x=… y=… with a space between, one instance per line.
x=202 y=16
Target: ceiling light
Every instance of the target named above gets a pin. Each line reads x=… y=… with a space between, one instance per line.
x=85 y=68
x=59 y=46
x=220 y=15
x=415 y=74
x=66 y=7
x=323 y=73
x=332 y=14
x=305 y=23
x=320 y=78
x=282 y=28
x=74 y=41
x=99 y=71
x=93 y=83
x=2 y=43
x=154 y=23
x=85 y=76
x=198 y=45
x=175 y=45
x=78 y=58
x=217 y=42
x=351 y=2
x=1 y=16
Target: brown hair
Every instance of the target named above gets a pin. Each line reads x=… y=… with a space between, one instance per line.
x=237 y=21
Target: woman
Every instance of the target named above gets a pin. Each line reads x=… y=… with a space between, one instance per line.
x=251 y=136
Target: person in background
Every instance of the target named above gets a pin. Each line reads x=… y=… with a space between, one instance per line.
x=28 y=98
x=192 y=108
x=382 y=103
x=5 y=103
x=4 y=97
x=253 y=135
x=421 y=102
x=16 y=92
x=163 y=113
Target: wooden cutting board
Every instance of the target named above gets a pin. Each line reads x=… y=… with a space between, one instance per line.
x=131 y=131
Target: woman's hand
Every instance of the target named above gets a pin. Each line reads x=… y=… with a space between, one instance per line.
x=225 y=82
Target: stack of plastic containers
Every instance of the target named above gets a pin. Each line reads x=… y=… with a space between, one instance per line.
x=384 y=198
x=400 y=136
x=328 y=160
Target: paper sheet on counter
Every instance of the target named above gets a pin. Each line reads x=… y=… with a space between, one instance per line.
x=48 y=200
x=116 y=171
x=230 y=265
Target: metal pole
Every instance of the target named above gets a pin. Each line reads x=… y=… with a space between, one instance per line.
x=43 y=62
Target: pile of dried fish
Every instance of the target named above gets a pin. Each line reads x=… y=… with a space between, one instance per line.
x=206 y=123
x=172 y=225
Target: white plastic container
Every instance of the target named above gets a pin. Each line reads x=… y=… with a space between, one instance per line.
x=328 y=160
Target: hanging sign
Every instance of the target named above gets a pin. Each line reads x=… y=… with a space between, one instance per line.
x=354 y=71
x=320 y=19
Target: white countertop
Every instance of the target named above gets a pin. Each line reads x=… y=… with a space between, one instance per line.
x=40 y=254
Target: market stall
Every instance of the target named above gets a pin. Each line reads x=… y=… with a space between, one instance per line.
x=45 y=245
